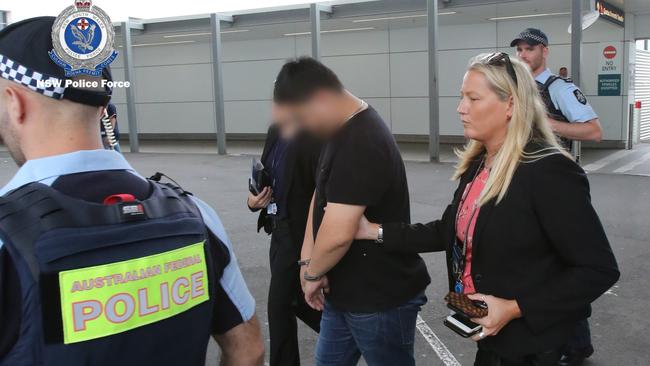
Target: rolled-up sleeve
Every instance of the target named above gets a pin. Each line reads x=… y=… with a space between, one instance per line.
x=561 y=199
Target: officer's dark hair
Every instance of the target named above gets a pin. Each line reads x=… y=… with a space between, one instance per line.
x=300 y=78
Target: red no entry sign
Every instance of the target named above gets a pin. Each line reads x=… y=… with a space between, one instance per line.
x=609 y=52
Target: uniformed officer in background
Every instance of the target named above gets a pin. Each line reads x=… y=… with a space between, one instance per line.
x=572 y=118
x=570 y=115
x=99 y=266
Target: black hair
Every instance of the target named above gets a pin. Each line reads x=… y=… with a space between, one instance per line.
x=300 y=78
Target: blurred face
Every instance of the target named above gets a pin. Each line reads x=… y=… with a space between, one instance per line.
x=564 y=72
x=534 y=56
x=317 y=114
x=483 y=114
x=282 y=117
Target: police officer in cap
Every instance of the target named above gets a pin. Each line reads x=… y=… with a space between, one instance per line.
x=570 y=115
x=572 y=118
x=99 y=266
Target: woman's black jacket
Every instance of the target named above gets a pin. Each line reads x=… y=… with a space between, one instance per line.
x=543 y=245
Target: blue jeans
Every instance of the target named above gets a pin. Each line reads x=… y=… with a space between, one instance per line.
x=383 y=338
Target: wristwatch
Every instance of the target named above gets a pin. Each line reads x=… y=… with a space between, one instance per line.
x=380 y=235
x=304 y=262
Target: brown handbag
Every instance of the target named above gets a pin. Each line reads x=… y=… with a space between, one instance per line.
x=460 y=303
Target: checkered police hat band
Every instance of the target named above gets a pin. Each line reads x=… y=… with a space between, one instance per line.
x=47 y=85
x=534 y=37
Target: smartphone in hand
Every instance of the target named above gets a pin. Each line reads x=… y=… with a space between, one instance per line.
x=462 y=325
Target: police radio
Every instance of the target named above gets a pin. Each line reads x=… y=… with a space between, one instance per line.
x=110 y=130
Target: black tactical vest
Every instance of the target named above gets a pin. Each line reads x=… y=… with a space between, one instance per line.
x=124 y=284
x=553 y=112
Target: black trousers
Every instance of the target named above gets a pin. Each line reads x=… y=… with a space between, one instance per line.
x=286 y=301
x=489 y=358
x=581 y=338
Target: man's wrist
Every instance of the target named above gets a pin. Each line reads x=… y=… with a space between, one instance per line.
x=304 y=262
x=250 y=205
x=373 y=232
x=515 y=311
x=380 y=234
x=309 y=278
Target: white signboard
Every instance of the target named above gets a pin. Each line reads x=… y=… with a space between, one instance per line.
x=610 y=68
x=611 y=54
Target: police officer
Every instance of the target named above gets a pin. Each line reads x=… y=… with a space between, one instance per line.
x=563 y=72
x=572 y=118
x=99 y=266
x=570 y=115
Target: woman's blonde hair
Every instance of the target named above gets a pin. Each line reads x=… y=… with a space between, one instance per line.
x=528 y=123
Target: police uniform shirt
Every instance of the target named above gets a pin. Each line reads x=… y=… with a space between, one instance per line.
x=568 y=98
x=92 y=176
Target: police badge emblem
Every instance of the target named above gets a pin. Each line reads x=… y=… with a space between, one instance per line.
x=82 y=36
x=580 y=97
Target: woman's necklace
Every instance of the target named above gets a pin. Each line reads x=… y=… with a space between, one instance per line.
x=489 y=159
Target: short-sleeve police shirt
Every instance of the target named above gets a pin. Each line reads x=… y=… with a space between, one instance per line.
x=568 y=98
x=362 y=166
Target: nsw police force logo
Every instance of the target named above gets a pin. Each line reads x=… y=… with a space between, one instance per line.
x=82 y=36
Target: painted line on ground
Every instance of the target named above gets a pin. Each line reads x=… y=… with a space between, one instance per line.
x=438 y=347
x=634 y=164
x=599 y=164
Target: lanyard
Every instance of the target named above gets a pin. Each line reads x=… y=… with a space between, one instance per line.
x=459 y=256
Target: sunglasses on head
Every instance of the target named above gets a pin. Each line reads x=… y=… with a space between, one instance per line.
x=502 y=59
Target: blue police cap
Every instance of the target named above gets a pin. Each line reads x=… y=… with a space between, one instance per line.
x=24 y=59
x=532 y=36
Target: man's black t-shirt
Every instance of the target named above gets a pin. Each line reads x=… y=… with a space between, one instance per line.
x=361 y=165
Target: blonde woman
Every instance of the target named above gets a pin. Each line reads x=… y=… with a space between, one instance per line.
x=520 y=233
